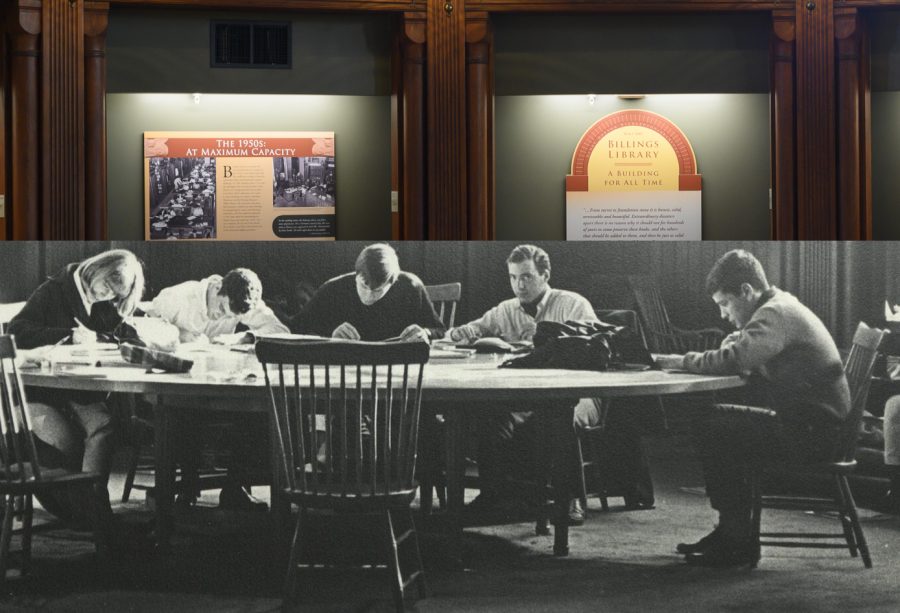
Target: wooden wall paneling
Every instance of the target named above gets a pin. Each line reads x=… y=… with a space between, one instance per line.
x=23 y=197
x=62 y=120
x=784 y=204
x=624 y=6
x=396 y=93
x=96 y=19
x=411 y=116
x=445 y=100
x=847 y=46
x=865 y=131
x=4 y=89
x=480 y=130
x=310 y=5
x=816 y=201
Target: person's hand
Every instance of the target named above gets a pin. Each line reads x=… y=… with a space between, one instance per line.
x=465 y=333
x=414 y=332
x=670 y=361
x=83 y=336
x=731 y=339
x=346 y=331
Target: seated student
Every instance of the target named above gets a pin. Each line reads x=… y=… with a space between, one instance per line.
x=79 y=304
x=377 y=301
x=892 y=450
x=216 y=305
x=798 y=370
x=207 y=310
x=516 y=320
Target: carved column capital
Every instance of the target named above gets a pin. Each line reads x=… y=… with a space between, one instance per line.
x=784 y=25
x=414 y=28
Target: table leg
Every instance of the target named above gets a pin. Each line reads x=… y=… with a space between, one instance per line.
x=559 y=422
x=281 y=508
x=164 y=478
x=456 y=466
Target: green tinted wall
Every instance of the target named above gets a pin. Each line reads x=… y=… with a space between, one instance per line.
x=339 y=81
x=546 y=66
x=885 y=79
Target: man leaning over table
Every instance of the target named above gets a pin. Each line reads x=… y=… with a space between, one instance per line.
x=216 y=306
x=376 y=302
x=513 y=320
x=797 y=370
x=213 y=309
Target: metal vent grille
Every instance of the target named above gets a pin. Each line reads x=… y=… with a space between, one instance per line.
x=250 y=44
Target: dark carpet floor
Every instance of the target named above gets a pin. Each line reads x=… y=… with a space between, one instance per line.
x=619 y=561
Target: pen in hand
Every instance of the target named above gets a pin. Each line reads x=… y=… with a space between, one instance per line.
x=82 y=334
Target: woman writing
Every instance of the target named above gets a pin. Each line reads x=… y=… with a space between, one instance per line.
x=83 y=303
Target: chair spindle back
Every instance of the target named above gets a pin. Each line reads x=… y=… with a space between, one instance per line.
x=347 y=413
x=18 y=454
x=445 y=297
x=858 y=369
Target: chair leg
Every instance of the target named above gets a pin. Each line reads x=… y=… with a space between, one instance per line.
x=394 y=562
x=755 y=515
x=290 y=580
x=9 y=510
x=854 y=520
x=132 y=469
x=422 y=585
x=582 y=481
x=100 y=525
x=440 y=487
x=847 y=525
x=27 y=516
x=426 y=491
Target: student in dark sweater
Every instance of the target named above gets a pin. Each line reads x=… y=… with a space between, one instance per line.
x=796 y=367
x=80 y=304
x=376 y=302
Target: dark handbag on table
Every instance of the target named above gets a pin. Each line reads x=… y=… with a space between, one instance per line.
x=584 y=345
x=154 y=359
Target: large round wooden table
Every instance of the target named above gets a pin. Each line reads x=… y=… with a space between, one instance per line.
x=233 y=381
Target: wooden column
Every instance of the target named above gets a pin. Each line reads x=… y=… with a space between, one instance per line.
x=784 y=203
x=62 y=120
x=865 y=130
x=4 y=55
x=23 y=200
x=446 y=102
x=480 y=128
x=96 y=18
x=848 y=180
x=411 y=113
x=816 y=182
x=852 y=207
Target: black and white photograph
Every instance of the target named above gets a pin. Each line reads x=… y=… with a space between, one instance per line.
x=450 y=426
x=182 y=198
x=303 y=181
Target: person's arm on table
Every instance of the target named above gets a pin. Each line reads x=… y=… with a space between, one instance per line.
x=486 y=325
x=759 y=341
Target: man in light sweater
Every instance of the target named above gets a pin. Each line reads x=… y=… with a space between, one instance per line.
x=796 y=370
x=212 y=309
x=513 y=320
x=216 y=306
